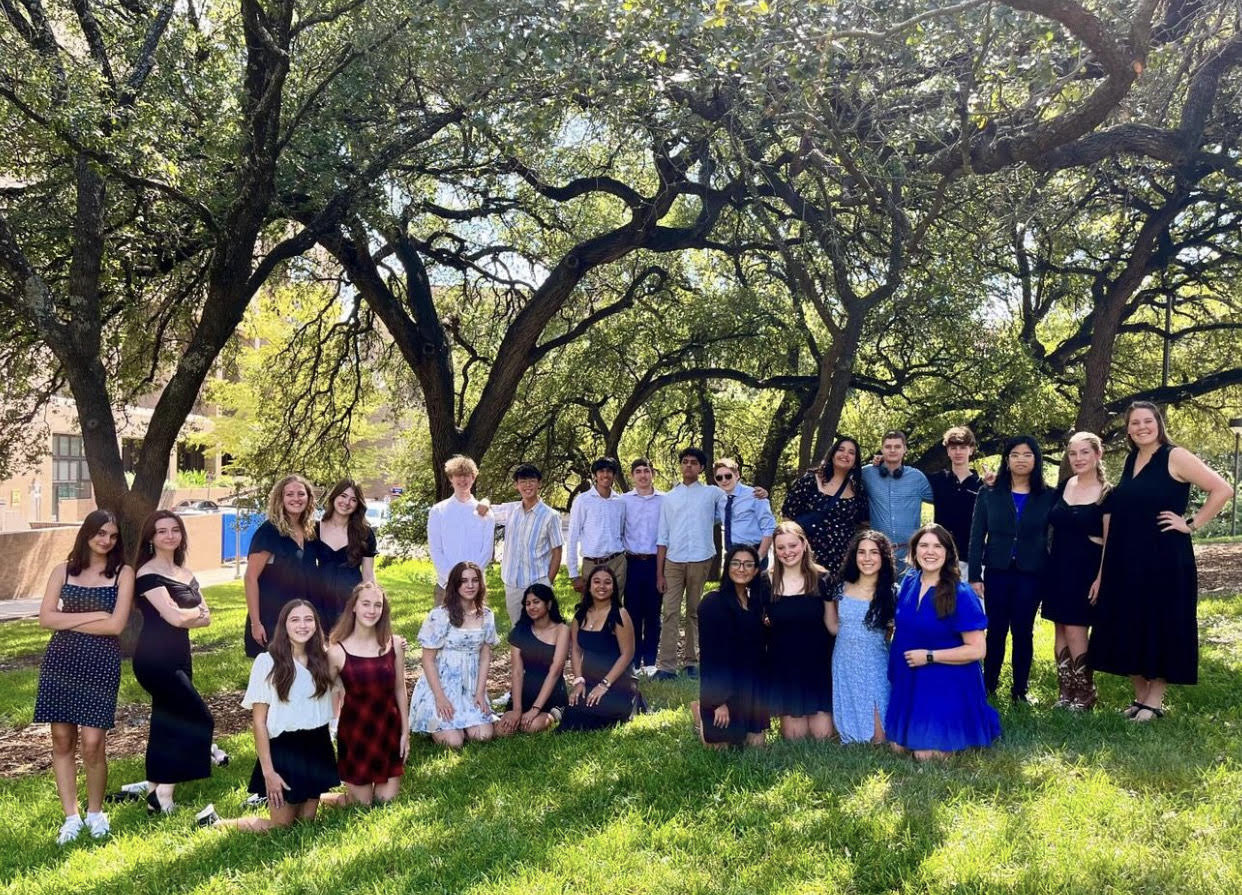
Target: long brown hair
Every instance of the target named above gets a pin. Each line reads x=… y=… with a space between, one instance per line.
x=452 y=594
x=950 y=574
x=305 y=522
x=808 y=568
x=346 y=623
x=356 y=526
x=280 y=648
x=79 y=557
x=146 y=547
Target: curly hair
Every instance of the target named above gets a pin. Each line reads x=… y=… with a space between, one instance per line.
x=883 y=608
x=305 y=522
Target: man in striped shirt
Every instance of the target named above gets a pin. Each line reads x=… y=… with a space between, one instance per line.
x=533 y=539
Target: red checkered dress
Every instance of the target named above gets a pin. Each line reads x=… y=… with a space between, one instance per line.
x=369 y=736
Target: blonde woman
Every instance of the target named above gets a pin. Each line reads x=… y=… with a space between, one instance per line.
x=799 y=642
x=279 y=567
x=1077 y=533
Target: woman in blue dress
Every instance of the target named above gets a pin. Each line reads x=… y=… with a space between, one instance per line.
x=938 y=704
x=861 y=618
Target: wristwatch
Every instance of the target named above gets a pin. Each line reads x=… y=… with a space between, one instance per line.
x=931 y=658
x=1190 y=523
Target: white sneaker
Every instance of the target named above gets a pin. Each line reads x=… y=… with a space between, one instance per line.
x=140 y=788
x=649 y=670
x=69 y=830
x=98 y=825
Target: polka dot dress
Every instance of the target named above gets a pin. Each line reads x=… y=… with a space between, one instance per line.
x=81 y=673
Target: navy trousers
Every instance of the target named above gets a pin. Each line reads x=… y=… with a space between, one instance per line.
x=1011 y=599
x=644 y=603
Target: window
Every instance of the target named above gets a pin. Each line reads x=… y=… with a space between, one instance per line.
x=71 y=479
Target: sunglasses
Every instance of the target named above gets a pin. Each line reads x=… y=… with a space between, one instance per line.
x=724 y=476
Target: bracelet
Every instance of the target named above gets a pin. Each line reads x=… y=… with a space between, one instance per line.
x=1190 y=523
x=579 y=681
x=537 y=708
x=605 y=683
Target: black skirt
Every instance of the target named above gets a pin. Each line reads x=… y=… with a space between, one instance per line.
x=305 y=760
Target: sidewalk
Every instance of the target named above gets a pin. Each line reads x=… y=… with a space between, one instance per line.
x=29 y=607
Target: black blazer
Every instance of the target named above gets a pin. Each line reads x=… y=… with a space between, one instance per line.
x=995 y=528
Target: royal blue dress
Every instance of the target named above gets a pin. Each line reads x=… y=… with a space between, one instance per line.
x=942 y=707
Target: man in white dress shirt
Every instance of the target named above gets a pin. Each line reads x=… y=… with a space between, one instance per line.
x=642 y=596
x=455 y=530
x=596 y=527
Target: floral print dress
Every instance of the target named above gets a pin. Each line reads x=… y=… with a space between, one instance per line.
x=457 y=662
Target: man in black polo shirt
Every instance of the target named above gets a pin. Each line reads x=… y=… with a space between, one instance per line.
x=955 y=489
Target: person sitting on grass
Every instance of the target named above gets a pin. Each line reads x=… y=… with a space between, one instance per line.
x=373 y=739
x=290 y=697
x=538 y=647
x=450 y=700
x=730 y=709
x=601 y=649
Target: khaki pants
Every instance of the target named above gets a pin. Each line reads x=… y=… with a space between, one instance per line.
x=681 y=578
x=618 y=566
x=513 y=598
x=439 y=596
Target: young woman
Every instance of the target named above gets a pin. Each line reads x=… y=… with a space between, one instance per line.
x=450 y=700
x=280 y=566
x=1076 y=529
x=290 y=698
x=829 y=503
x=861 y=618
x=86 y=604
x=730 y=710
x=938 y=704
x=799 y=643
x=344 y=550
x=1147 y=589
x=538 y=647
x=179 y=747
x=601 y=649
x=374 y=734
x=1008 y=556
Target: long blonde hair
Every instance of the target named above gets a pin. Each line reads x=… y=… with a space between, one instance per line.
x=1098 y=446
x=808 y=568
x=305 y=522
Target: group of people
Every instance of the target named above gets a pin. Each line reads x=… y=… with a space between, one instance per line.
x=868 y=624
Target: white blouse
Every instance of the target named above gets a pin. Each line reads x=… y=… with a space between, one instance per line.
x=303 y=710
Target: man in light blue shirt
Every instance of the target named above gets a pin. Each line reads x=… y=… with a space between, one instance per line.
x=896 y=494
x=643 y=599
x=746 y=518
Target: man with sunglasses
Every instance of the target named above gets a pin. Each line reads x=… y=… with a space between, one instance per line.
x=746 y=518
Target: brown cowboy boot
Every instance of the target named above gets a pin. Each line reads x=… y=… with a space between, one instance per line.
x=1084 y=684
x=1065 y=680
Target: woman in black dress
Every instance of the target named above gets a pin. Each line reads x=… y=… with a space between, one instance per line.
x=601 y=649
x=179 y=745
x=730 y=709
x=829 y=503
x=799 y=666
x=86 y=604
x=1147 y=592
x=281 y=564
x=1076 y=530
x=538 y=647
x=345 y=550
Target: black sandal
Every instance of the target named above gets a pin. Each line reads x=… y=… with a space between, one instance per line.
x=1132 y=709
x=1155 y=713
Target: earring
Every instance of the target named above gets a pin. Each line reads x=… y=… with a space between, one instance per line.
x=151 y=547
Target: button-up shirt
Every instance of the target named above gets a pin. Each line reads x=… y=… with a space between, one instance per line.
x=897 y=503
x=596 y=525
x=955 y=504
x=530 y=537
x=750 y=520
x=642 y=520
x=456 y=533
x=687 y=515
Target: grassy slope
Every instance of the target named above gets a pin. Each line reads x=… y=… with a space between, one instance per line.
x=1090 y=804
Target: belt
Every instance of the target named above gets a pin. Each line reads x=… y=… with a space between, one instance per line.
x=640 y=555
x=600 y=560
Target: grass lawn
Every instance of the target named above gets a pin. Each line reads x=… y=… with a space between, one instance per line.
x=1089 y=804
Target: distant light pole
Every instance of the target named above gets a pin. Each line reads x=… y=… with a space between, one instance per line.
x=1235 y=425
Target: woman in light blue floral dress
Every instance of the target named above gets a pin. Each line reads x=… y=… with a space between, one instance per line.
x=862 y=618
x=450 y=701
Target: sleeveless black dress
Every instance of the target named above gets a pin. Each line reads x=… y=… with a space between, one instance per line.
x=179 y=744
x=336 y=577
x=537 y=658
x=600 y=651
x=799 y=654
x=1146 y=621
x=1073 y=562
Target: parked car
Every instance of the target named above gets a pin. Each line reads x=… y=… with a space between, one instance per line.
x=196 y=507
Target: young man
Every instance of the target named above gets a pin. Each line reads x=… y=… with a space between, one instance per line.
x=955 y=490
x=896 y=494
x=455 y=530
x=685 y=549
x=532 y=539
x=642 y=597
x=746 y=518
x=597 y=525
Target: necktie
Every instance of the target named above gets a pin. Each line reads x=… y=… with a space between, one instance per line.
x=728 y=532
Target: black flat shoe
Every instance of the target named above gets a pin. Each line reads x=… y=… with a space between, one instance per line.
x=122 y=795
x=219 y=757
x=207 y=817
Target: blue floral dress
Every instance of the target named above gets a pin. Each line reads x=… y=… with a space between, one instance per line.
x=859 y=672
x=457 y=662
